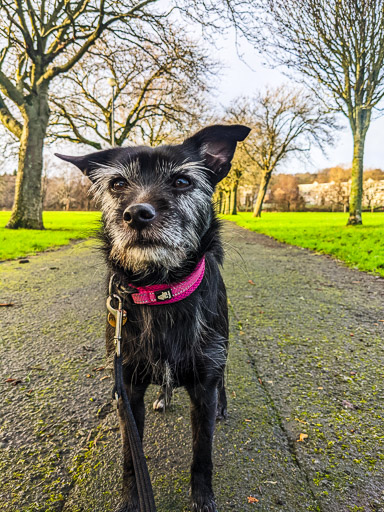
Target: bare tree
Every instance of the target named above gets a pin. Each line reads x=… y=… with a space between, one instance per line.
x=284 y=122
x=285 y=193
x=339 y=45
x=7 y=190
x=39 y=42
x=160 y=83
x=243 y=170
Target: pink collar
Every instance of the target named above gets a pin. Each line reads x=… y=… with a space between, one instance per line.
x=165 y=293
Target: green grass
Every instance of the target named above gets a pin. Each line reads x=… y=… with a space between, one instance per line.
x=60 y=229
x=358 y=246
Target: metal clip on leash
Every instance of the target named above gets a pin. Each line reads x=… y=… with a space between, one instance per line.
x=117 y=318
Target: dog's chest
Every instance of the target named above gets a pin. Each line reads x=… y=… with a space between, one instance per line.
x=163 y=342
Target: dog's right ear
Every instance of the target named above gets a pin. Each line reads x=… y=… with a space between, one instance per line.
x=90 y=162
x=216 y=145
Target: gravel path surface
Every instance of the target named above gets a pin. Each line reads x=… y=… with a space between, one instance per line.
x=306 y=359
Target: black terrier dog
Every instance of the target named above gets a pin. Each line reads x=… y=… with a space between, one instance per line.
x=161 y=240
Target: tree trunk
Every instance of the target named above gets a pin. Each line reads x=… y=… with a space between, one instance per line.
x=219 y=204
x=233 y=203
x=355 y=200
x=265 y=178
x=227 y=199
x=27 y=207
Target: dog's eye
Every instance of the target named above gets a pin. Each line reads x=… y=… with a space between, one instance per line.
x=118 y=185
x=182 y=182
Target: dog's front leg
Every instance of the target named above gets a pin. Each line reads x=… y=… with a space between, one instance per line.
x=130 y=502
x=203 y=415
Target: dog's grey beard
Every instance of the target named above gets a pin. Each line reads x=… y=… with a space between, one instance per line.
x=167 y=247
x=144 y=259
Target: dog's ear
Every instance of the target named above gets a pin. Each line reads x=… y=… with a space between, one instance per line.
x=90 y=162
x=216 y=145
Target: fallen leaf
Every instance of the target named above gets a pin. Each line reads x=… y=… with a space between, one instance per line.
x=105 y=377
x=320 y=387
x=380 y=320
x=301 y=421
x=98 y=369
x=13 y=381
x=302 y=437
x=348 y=405
x=251 y=499
x=247 y=420
x=251 y=282
x=7 y=304
x=88 y=375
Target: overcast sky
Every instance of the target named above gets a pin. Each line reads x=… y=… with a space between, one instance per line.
x=238 y=79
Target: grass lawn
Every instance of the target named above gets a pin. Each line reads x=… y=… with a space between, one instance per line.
x=60 y=229
x=358 y=246
x=327 y=233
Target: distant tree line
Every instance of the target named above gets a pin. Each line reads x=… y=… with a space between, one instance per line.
x=65 y=191
x=337 y=173
x=284 y=194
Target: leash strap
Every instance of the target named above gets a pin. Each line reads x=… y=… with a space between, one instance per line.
x=143 y=481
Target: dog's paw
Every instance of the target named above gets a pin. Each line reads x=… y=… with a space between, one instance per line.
x=163 y=399
x=126 y=507
x=221 y=413
x=204 y=505
x=159 y=405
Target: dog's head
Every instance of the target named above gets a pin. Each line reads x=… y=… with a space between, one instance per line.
x=156 y=202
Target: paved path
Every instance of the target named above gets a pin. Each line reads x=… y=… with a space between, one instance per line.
x=306 y=358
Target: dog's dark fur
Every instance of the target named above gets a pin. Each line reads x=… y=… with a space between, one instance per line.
x=184 y=343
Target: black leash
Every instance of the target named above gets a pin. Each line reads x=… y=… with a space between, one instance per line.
x=143 y=481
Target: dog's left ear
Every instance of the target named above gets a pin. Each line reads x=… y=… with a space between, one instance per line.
x=90 y=162
x=216 y=145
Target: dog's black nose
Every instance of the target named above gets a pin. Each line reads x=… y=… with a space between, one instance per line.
x=139 y=215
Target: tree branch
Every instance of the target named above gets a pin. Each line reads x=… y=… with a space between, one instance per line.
x=10 y=122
